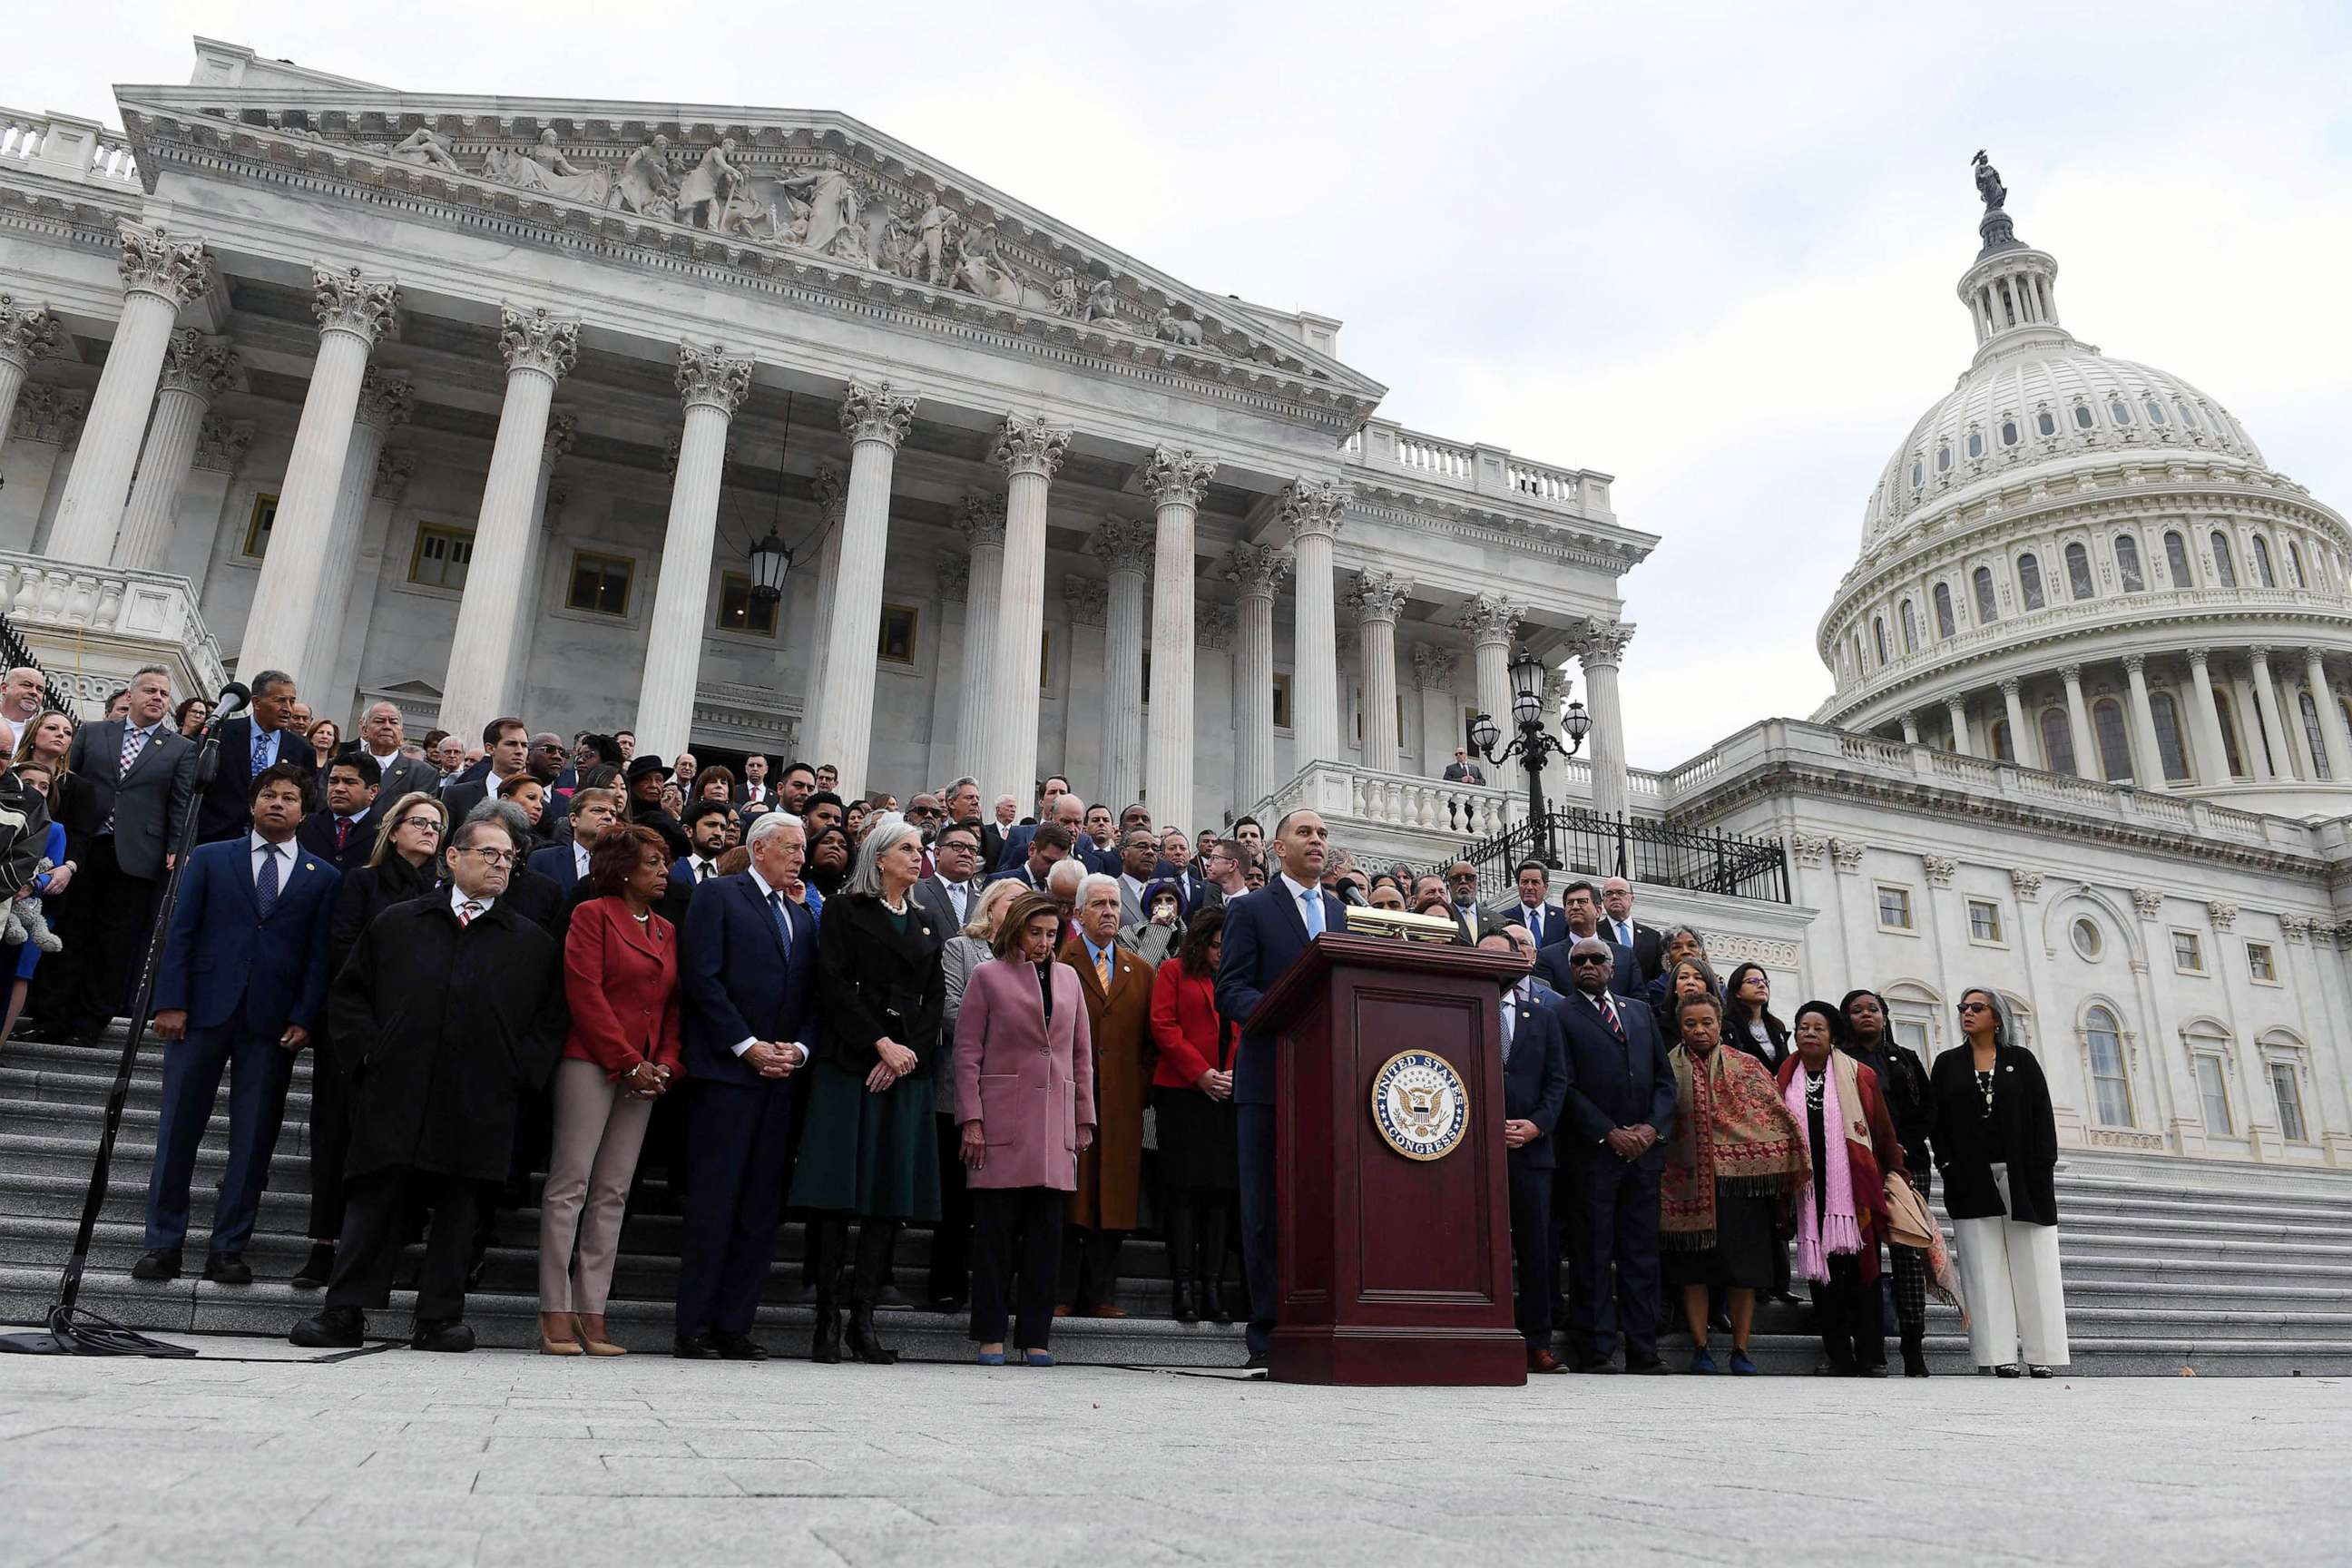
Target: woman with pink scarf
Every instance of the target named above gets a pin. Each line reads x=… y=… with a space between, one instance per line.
x=1843 y=1219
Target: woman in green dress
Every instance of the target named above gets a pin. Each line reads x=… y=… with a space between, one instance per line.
x=869 y=1150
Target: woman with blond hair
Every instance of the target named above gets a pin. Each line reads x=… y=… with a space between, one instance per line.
x=951 y=1279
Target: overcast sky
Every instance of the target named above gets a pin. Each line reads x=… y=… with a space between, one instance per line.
x=1706 y=250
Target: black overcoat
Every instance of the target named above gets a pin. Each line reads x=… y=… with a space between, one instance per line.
x=2021 y=1133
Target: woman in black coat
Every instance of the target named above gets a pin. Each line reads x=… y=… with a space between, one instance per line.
x=401 y=867
x=869 y=1150
x=1996 y=1143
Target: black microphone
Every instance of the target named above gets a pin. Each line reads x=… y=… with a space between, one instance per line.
x=232 y=700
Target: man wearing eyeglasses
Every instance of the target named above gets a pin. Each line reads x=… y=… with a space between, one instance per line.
x=1462 y=770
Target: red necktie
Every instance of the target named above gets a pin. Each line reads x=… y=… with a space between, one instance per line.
x=342 y=832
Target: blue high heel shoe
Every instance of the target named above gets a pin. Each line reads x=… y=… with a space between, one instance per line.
x=1040 y=1358
x=992 y=1358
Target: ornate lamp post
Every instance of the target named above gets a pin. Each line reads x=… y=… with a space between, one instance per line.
x=1531 y=745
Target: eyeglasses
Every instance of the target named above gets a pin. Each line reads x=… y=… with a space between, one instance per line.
x=1975 y=1007
x=492 y=857
x=430 y=824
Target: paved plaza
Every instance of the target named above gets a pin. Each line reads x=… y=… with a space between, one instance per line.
x=258 y=1453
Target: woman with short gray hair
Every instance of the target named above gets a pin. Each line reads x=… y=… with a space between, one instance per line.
x=869 y=1150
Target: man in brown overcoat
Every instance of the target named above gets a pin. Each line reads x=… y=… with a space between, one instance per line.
x=1118 y=988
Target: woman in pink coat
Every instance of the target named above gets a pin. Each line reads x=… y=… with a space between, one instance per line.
x=1024 y=1085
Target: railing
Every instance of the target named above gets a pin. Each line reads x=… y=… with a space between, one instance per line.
x=18 y=654
x=1654 y=853
x=66 y=148
x=1384 y=444
x=93 y=620
x=1434 y=457
x=1406 y=802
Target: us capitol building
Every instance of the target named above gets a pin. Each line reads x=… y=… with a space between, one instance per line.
x=759 y=430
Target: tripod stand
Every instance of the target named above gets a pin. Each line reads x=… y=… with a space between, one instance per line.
x=72 y=1328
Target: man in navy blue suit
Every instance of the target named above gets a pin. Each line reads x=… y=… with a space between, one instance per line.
x=1620 y=1111
x=1534 y=908
x=243 y=979
x=249 y=743
x=749 y=980
x=706 y=831
x=1581 y=910
x=592 y=811
x=344 y=834
x=1265 y=932
x=1535 y=1088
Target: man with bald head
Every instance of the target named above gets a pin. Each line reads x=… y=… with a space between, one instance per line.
x=1612 y=1137
x=21 y=691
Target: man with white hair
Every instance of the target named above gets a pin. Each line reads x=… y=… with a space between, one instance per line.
x=1064 y=808
x=20 y=702
x=1117 y=985
x=748 y=982
x=380 y=736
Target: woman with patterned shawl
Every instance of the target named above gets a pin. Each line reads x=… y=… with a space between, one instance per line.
x=1841 y=1222
x=1736 y=1157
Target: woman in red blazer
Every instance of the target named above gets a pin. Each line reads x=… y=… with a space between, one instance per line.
x=620 y=980
x=1192 y=1089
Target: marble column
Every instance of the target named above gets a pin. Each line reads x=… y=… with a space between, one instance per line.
x=2148 y=771
x=196 y=369
x=1910 y=729
x=563 y=432
x=713 y=384
x=1434 y=670
x=1601 y=653
x=353 y=311
x=1030 y=450
x=2211 y=748
x=28 y=334
x=1312 y=511
x=1378 y=598
x=876 y=420
x=1490 y=619
x=1124 y=545
x=386 y=403
x=2248 y=711
x=394 y=469
x=221 y=448
x=2078 y=721
x=1255 y=571
x=2024 y=747
x=159 y=274
x=2337 y=743
x=46 y=421
x=1175 y=480
x=831 y=488
x=2281 y=739
x=981 y=523
x=539 y=349
x=1956 y=714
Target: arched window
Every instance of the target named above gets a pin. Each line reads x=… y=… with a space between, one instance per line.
x=2009 y=432
x=2312 y=736
x=1944 y=627
x=1918 y=473
x=1981 y=579
x=2171 y=748
x=2262 y=572
x=2083 y=418
x=2028 y=582
x=2114 y=746
x=2078 y=570
x=2057 y=740
x=1910 y=627
x=2119 y=411
x=1878 y=636
x=1976 y=443
x=2154 y=412
x=2175 y=559
x=2187 y=416
x=2229 y=717
x=2004 y=749
x=2128 y=563
x=2046 y=423
x=2225 y=571
x=1943 y=457
x=2103 y=1037
x=2294 y=565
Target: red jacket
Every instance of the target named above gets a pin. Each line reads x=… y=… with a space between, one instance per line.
x=621 y=981
x=1185 y=1027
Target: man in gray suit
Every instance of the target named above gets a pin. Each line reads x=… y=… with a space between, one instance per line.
x=144 y=774
x=380 y=736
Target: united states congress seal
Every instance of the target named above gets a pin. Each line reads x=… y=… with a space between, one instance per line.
x=1420 y=1105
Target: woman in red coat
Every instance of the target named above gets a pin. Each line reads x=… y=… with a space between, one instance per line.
x=1192 y=1091
x=620 y=979
x=1841 y=1216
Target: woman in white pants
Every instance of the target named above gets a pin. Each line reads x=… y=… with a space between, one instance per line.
x=1996 y=1143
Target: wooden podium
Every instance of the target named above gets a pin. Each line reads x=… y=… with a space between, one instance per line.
x=1392 y=1269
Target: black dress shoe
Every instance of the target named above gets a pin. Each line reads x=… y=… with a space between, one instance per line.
x=163 y=1263
x=947 y=1306
x=317 y=1268
x=737 y=1347
x=1186 y=1308
x=335 y=1329
x=1653 y=1367
x=694 y=1347
x=1258 y=1362
x=447 y=1334
x=889 y=1298
x=227 y=1268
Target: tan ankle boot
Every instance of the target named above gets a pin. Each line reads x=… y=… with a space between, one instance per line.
x=592 y=1334
x=555 y=1335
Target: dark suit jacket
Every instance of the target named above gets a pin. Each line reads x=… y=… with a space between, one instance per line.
x=1614 y=1083
x=2023 y=1135
x=150 y=805
x=736 y=984
x=226 y=810
x=1535 y=1078
x=1549 y=926
x=459 y=799
x=1462 y=773
x=224 y=962
x=1264 y=934
x=1649 y=947
x=556 y=864
x=1015 y=849
x=406 y=775
x=317 y=835
x=1551 y=968
x=933 y=897
x=1018 y=874
x=680 y=870
x=992 y=843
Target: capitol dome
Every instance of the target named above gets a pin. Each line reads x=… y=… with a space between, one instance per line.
x=2084 y=565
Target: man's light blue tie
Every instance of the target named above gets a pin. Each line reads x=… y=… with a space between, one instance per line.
x=265 y=881
x=1311 y=909
x=261 y=749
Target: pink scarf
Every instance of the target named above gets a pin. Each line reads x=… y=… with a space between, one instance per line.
x=1837 y=1231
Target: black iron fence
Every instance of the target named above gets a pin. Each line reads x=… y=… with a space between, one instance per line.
x=16 y=654
x=1641 y=850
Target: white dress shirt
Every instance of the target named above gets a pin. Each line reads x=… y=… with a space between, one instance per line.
x=959 y=897
x=459 y=901
x=256 y=846
x=748 y=1041
x=1297 y=893
x=579 y=861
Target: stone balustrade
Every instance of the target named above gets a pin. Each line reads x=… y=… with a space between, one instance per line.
x=91 y=626
x=1370 y=810
x=1384 y=446
x=66 y=148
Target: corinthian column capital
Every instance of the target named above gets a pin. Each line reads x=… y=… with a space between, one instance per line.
x=348 y=301
x=1124 y=544
x=176 y=270
x=1173 y=476
x=1314 y=507
x=1026 y=444
x=713 y=378
x=1378 y=596
x=872 y=412
x=538 y=339
x=386 y=399
x=1489 y=618
x=28 y=332
x=980 y=520
x=1255 y=569
x=201 y=366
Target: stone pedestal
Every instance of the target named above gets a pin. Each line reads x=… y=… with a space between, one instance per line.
x=713 y=386
x=875 y=419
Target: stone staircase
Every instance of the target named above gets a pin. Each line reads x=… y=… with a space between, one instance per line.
x=2223 y=1269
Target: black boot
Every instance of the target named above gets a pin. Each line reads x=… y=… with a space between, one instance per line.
x=826 y=1238
x=1183 y=1267
x=877 y=1239
x=1914 y=1354
x=1212 y=1263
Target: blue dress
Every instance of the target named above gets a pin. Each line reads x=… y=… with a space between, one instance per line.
x=54 y=850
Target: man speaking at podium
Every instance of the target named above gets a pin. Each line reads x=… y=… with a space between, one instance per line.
x=1265 y=933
